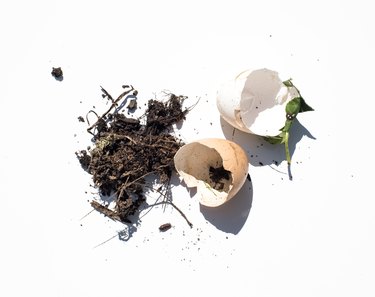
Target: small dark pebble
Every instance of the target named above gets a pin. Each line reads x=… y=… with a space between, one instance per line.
x=132 y=104
x=57 y=72
x=165 y=227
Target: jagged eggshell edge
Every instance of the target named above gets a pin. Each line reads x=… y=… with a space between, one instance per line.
x=254 y=102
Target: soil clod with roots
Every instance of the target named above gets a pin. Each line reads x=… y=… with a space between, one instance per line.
x=127 y=151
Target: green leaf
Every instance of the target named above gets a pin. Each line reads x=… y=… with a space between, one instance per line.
x=304 y=106
x=293 y=106
x=274 y=139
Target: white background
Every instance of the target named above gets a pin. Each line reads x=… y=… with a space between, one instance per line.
x=312 y=236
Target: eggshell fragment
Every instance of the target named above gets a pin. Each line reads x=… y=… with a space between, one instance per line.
x=254 y=102
x=216 y=167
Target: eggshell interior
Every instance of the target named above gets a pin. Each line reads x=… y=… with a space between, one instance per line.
x=193 y=162
x=254 y=102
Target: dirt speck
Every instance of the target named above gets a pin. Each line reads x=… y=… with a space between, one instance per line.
x=57 y=73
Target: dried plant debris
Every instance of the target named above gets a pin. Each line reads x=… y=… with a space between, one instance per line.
x=127 y=151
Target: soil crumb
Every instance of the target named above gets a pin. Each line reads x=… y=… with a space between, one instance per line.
x=57 y=73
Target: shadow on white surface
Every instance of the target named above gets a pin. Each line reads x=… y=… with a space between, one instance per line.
x=259 y=151
x=232 y=215
x=130 y=223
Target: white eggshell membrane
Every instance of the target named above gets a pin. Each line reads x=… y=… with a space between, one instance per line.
x=254 y=102
x=193 y=162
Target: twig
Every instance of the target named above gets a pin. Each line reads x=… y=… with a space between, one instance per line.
x=106 y=211
x=119 y=234
x=192 y=106
x=86 y=214
x=135 y=180
x=87 y=116
x=171 y=203
x=106 y=94
x=113 y=105
x=180 y=211
x=105 y=241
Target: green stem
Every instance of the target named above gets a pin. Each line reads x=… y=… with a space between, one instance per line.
x=287 y=148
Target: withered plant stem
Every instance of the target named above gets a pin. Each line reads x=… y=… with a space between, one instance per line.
x=113 y=105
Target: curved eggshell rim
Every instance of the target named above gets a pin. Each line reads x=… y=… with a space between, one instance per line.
x=254 y=102
x=233 y=157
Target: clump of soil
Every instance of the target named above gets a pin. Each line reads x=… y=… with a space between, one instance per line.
x=217 y=176
x=57 y=73
x=126 y=151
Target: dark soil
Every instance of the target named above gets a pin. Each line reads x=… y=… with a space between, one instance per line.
x=126 y=151
x=57 y=73
x=132 y=104
x=217 y=175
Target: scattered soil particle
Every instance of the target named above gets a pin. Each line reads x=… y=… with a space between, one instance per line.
x=165 y=227
x=132 y=104
x=84 y=158
x=57 y=72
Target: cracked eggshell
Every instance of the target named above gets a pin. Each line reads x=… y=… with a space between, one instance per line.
x=254 y=102
x=193 y=162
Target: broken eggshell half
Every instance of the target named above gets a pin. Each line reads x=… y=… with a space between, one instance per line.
x=254 y=101
x=216 y=167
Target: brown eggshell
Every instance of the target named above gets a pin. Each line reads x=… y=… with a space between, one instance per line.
x=194 y=161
